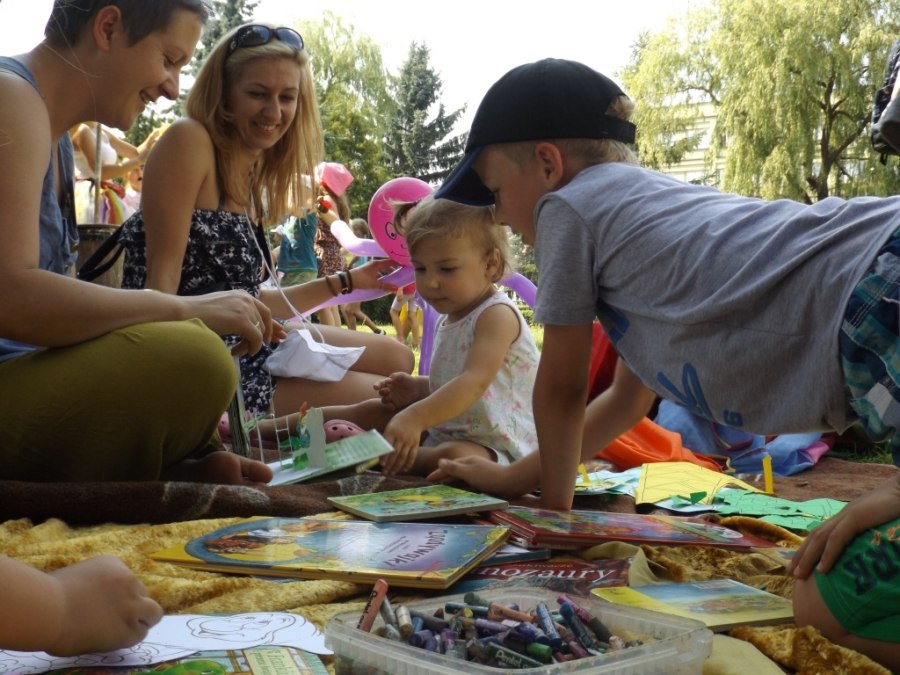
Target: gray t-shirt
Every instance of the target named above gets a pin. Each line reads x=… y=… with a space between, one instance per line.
x=728 y=305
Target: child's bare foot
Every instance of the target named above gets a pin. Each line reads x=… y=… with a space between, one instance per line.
x=221 y=467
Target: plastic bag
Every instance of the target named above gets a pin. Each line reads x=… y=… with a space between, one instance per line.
x=299 y=355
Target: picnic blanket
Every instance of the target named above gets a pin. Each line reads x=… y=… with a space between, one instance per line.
x=53 y=525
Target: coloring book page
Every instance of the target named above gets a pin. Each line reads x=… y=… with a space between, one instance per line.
x=180 y=635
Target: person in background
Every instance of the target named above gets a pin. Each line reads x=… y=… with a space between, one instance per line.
x=112 y=171
x=332 y=180
x=70 y=351
x=352 y=311
x=475 y=401
x=296 y=257
x=251 y=135
x=404 y=313
x=686 y=299
x=133 y=182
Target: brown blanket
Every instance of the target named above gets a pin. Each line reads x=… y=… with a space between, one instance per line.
x=169 y=502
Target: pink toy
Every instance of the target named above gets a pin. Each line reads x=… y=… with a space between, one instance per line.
x=381 y=214
x=334 y=176
x=338 y=429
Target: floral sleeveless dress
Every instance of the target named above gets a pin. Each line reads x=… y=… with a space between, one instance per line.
x=328 y=251
x=224 y=252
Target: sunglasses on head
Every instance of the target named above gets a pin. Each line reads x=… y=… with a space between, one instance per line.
x=255 y=35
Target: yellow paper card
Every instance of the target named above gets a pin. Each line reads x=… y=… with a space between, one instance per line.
x=663 y=480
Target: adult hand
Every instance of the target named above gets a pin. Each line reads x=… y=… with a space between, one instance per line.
x=104 y=606
x=825 y=543
x=236 y=313
x=370 y=275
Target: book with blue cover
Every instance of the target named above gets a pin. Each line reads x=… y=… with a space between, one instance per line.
x=416 y=555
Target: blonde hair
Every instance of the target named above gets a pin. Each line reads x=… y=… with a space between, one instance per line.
x=445 y=219
x=589 y=151
x=278 y=177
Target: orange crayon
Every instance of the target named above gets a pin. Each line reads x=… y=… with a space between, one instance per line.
x=373 y=605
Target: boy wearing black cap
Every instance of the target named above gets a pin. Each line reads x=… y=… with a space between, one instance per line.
x=769 y=316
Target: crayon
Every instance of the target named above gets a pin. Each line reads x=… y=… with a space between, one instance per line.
x=387 y=612
x=507 y=658
x=430 y=622
x=545 y=621
x=472 y=598
x=420 y=638
x=578 y=628
x=767 y=475
x=376 y=597
x=404 y=621
x=456 y=607
x=543 y=653
x=593 y=623
x=486 y=626
x=497 y=612
x=388 y=631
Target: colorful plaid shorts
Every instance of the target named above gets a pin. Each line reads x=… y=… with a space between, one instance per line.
x=870 y=347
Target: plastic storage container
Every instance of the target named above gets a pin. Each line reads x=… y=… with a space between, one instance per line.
x=672 y=645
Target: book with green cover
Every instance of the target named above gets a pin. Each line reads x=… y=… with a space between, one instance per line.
x=416 y=555
x=426 y=502
x=340 y=454
x=721 y=604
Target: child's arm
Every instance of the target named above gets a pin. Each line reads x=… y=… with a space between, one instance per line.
x=495 y=331
x=399 y=390
x=616 y=410
x=823 y=546
x=93 y=606
x=559 y=395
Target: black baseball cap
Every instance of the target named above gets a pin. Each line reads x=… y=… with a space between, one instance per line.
x=544 y=100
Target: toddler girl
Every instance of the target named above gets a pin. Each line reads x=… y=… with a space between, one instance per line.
x=476 y=399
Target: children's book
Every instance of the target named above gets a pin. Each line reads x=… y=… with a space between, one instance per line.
x=562 y=574
x=418 y=503
x=576 y=529
x=509 y=553
x=253 y=661
x=721 y=604
x=417 y=555
x=342 y=453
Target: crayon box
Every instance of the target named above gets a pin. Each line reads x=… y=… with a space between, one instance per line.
x=667 y=644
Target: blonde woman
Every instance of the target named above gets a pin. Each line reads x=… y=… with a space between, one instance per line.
x=251 y=134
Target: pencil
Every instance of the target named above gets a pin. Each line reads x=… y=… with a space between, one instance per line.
x=368 y=464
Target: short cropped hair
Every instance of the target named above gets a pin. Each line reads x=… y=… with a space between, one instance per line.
x=446 y=219
x=68 y=18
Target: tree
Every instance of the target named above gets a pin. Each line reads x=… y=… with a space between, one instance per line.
x=793 y=93
x=352 y=88
x=417 y=146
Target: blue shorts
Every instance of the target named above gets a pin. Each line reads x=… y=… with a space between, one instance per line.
x=862 y=590
x=870 y=347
